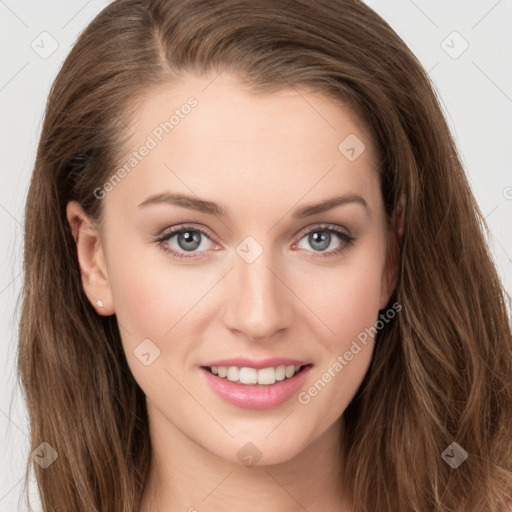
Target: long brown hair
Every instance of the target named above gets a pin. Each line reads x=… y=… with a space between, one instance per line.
x=441 y=371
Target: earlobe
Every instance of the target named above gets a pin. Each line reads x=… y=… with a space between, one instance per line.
x=91 y=259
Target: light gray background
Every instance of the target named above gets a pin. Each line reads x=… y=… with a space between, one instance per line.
x=475 y=90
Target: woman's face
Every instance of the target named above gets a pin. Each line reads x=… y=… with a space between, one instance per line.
x=263 y=274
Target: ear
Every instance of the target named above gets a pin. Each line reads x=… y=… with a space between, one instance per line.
x=91 y=259
x=390 y=274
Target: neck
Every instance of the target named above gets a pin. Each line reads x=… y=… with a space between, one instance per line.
x=186 y=477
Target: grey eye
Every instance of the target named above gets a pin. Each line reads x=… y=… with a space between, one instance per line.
x=189 y=240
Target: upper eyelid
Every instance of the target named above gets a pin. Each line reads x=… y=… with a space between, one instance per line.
x=323 y=226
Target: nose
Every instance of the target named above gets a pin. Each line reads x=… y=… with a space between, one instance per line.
x=259 y=302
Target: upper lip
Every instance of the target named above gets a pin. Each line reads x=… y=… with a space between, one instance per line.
x=257 y=363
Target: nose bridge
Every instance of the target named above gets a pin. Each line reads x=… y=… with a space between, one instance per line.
x=259 y=303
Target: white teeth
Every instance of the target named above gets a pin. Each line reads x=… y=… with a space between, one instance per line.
x=281 y=372
x=290 y=370
x=233 y=373
x=247 y=375
x=265 y=376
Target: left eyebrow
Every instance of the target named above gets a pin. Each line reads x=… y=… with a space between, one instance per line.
x=329 y=204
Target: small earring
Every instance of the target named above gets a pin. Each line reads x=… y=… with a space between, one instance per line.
x=99 y=304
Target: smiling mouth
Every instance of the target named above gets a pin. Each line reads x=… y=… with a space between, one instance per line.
x=252 y=376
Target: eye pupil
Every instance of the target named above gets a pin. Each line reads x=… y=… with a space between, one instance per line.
x=323 y=240
x=189 y=240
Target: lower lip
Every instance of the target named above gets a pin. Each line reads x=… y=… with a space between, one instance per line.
x=249 y=396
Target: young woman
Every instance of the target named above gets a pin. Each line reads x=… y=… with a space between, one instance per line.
x=255 y=275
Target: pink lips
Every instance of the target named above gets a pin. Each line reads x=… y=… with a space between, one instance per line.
x=256 y=396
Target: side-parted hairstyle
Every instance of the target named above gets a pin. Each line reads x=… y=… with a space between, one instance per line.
x=441 y=370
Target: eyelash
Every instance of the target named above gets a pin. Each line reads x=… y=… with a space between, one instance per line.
x=331 y=228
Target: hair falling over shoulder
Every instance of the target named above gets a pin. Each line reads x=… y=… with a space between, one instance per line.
x=441 y=372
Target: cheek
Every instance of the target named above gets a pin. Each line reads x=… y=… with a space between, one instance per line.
x=139 y=292
x=151 y=298
x=348 y=303
x=152 y=303
x=346 y=298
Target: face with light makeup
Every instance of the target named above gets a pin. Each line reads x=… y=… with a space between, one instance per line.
x=255 y=272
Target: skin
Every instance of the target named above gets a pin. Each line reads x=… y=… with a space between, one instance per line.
x=261 y=156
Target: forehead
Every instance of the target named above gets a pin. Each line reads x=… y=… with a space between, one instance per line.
x=211 y=137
